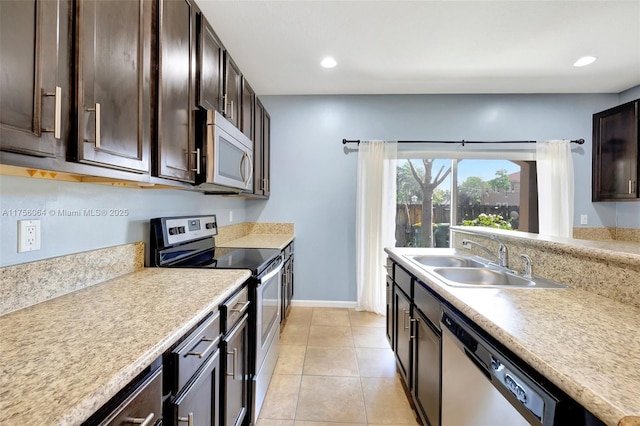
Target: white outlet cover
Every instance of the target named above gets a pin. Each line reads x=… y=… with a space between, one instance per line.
x=28 y=235
x=584 y=219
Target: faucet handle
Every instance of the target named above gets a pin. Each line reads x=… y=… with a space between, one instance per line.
x=528 y=266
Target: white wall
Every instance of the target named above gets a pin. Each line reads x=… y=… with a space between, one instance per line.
x=64 y=235
x=313 y=181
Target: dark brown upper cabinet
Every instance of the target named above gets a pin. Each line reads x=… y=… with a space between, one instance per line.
x=248 y=109
x=232 y=91
x=175 y=155
x=261 y=149
x=209 y=66
x=35 y=76
x=615 y=153
x=114 y=83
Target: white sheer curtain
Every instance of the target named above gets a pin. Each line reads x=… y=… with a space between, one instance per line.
x=375 y=221
x=555 y=188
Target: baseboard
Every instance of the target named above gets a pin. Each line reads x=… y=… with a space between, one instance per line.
x=323 y=304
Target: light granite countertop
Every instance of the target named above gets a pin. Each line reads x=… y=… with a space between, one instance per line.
x=62 y=359
x=587 y=345
x=275 y=241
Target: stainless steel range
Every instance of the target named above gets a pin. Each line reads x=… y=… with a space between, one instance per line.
x=187 y=242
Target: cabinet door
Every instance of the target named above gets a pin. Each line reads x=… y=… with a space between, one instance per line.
x=615 y=153
x=34 y=75
x=426 y=370
x=258 y=183
x=266 y=153
x=114 y=83
x=209 y=68
x=175 y=154
x=248 y=109
x=232 y=90
x=200 y=400
x=402 y=335
x=389 y=329
x=236 y=374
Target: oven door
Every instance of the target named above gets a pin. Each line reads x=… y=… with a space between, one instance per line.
x=267 y=310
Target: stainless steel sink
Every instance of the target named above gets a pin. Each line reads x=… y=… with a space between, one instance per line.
x=447 y=261
x=485 y=277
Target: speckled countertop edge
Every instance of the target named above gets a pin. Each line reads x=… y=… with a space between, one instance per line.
x=622 y=251
x=536 y=324
x=63 y=359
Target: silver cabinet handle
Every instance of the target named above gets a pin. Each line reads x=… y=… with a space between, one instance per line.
x=197 y=153
x=138 y=421
x=235 y=363
x=57 y=114
x=188 y=419
x=244 y=305
x=96 y=109
x=208 y=348
x=224 y=104
x=231 y=102
x=404 y=320
x=630 y=186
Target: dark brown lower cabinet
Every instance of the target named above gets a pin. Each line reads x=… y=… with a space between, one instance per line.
x=235 y=379
x=426 y=369
x=402 y=333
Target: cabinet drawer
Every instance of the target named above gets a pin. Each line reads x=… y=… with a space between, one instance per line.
x=389 y=267
x=234 y=308
x=427 y=304
x=144 y=404
x=193 y=352
x=403 y=279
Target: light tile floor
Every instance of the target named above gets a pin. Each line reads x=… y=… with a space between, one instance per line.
x=335 y=367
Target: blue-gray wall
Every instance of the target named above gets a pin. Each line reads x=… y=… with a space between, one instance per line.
x=314 y=182
x=64 y=235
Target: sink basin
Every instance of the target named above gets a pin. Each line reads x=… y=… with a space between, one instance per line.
x=485 y=277
x=446 y=261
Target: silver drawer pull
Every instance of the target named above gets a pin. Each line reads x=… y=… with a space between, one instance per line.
x=57 y=113
x=139 y=421
x=404 y=319
x=413 y=336
x=188 y=419
x=203 y=353
x=242 y=309
x=96 y=109
x=235 y=363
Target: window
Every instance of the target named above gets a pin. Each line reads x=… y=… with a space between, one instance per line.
x=485 y=191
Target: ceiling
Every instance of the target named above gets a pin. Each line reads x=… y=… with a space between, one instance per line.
x=428 y=46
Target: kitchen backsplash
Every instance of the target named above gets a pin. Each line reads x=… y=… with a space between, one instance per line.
x=618 y=234
x=233 y=232
x=609 y=269
x=30 y=283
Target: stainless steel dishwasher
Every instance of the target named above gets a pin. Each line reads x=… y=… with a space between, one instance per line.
x=481 y=386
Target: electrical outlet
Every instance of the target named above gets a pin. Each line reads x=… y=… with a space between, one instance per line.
x=584 y=219
x=230 y=215
x=28 y=235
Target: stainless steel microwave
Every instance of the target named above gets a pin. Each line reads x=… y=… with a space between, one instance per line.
x=228 y=157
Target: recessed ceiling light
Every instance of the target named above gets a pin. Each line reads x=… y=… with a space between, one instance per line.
x=328 y=62
x=584 y=61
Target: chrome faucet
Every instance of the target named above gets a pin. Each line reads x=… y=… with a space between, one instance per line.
x=503 y=253
x=528 y=266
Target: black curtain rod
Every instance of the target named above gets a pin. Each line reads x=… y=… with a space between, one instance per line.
x=463 y=142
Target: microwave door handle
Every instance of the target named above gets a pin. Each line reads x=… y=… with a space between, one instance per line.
x=246 y=181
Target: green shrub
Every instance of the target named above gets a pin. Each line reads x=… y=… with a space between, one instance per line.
x=489 y=220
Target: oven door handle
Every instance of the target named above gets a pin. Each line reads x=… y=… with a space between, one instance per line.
x=272 y=273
